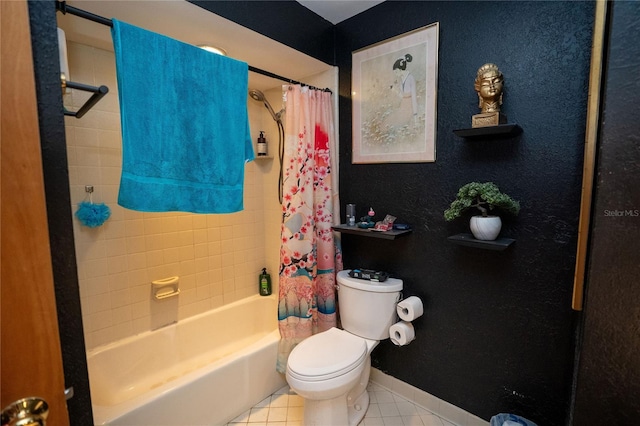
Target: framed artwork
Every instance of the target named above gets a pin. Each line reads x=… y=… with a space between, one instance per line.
x=394 y=87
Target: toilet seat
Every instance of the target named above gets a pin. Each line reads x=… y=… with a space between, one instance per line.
x=326 y=355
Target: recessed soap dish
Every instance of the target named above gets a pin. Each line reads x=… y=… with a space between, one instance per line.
x=165 y=288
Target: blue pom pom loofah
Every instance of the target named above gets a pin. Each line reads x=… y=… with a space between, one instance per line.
x=92 y=215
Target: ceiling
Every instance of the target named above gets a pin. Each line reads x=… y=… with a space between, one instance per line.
x=336 y=11
x=191 y=24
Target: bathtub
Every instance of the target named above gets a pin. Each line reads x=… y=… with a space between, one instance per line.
x=204 y=370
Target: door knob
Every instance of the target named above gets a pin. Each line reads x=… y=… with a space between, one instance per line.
x=32 y=411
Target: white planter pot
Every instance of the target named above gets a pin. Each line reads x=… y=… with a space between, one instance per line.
x=485 y=228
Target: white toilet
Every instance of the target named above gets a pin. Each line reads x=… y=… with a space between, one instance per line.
x=330 y=370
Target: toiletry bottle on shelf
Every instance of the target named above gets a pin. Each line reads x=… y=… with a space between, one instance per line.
x=262 y=144
x=265 y=283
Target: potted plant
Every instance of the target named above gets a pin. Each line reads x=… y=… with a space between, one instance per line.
x=485 y=197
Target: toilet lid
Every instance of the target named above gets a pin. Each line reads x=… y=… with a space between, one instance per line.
x=326 y=355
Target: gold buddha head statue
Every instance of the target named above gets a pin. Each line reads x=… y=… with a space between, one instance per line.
x=488 y=84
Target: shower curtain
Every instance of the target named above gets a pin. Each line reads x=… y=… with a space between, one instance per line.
x=310 y=255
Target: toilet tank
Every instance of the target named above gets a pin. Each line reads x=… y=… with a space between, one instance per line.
x=368 y=308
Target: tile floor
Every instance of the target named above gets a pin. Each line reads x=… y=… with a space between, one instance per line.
x=284 y=408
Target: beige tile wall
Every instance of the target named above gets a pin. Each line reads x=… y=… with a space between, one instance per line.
x=217 y=257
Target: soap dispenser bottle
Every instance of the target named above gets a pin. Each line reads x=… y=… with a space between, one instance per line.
x=262 y=144
x=264 y=283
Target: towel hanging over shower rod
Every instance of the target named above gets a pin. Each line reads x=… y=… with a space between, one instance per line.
x=62 y=6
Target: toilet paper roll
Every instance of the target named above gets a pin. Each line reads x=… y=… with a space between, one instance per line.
x=402 y=333
x=410 y=308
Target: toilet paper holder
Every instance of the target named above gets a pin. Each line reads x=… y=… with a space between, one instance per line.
x=410 y=308
x=165 y=288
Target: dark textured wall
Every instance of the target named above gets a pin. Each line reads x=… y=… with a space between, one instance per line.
x=56 y=180
x=286 y=21
x=608 y=383
x=498 y=329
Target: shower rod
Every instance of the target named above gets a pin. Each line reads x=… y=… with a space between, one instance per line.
x=62 y=6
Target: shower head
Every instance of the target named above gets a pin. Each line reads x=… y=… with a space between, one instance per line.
x=259 y=96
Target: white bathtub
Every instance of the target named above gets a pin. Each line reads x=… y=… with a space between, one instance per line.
x=204 y=370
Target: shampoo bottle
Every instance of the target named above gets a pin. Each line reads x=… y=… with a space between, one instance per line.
x=262 y=144
x=265 y=283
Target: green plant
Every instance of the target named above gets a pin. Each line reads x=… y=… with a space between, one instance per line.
x=484 y=196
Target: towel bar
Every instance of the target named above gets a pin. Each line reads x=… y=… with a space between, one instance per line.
x=98 y=93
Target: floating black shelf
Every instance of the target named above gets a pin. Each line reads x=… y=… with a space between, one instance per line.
x=468 y=240
x=482 y=132
x=387 y=235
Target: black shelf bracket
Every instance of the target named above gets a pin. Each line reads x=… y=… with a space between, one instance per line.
x=468 y=240
x=369 y=232
x=506 y=130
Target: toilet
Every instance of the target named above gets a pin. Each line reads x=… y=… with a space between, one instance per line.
x=330 y=370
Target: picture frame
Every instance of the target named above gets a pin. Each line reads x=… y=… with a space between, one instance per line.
x=394 y=98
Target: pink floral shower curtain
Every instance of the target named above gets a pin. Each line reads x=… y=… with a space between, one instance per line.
x=309 y=254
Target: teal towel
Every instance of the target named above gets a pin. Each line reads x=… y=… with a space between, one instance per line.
x=185 y=127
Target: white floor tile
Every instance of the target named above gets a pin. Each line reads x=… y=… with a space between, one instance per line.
x=264 y=403
x=384 y=396
x=406 y=408
x=431 y=420
x=372 y=411
x=280 y=400
x=393 y=421
x=414 y=420
x=389 y=409
x=295 y=413
x=277 y=414
x=386 y=408
x=259 y=414
x=296 y=401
